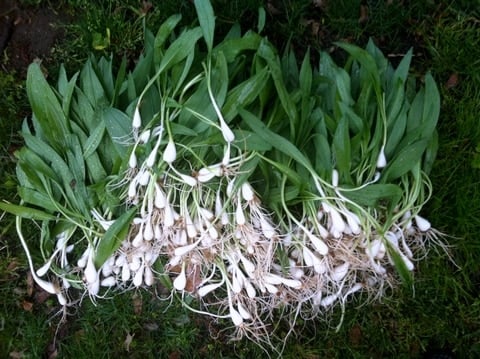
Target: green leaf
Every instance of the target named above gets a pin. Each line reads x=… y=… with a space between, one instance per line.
x=94 y=140
x=37 y=198
x=113 y=237
x=46 y=107
x=180 y=49
x=323 y=154
x=29 y=158
x=366 y=61
x=91 y=85
x=26 y=212
x=395 y=132
x=220 y=78
x=119 y=80
x=162 y=35
x=119 y=127
x=250 y=141
x=231 y=48
x=341 y=149
x=266 y=51
x=206 y=18
x=244 y=94
x=261 y=19
x=370 y=195
x=277 y=141
x=431 y=108
x=404 y=161
x=404 y=273
x=178 y=129
x=430 y=153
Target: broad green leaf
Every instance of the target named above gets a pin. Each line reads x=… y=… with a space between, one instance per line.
x=119 y=127
x=95 y=169
x=206 y=18
x=431 y=108
x=91 y=86
x=66 y=89
x=244 y=94
x=289 y=67
x=82 y=111
x=78 y=158
x=377 y=55
x=178 y=129
x=370 y=195
x=341 y=149
x=404 y=273
x=58 y=164
x=179 y=77
x=395 y=132
x=355 y=123
x=266 y=51
x=30 y=157
x=37 y=198
x=162 y=35
x=103 y=70
x=430 y=153
x=404 y=161
x=274 y=195
x=220 y=78
x=180 y=49
x=26 y=212
x=231 y=48
x=119 y=80
x=305 y=77
x=415 y=113
x=46 y=107
x=250 y=141
x=261 y=19
x=366 y=61
x=305 y=82
x=113 y=237
x=277 y=141
x=94 y=140
x=323 y=154
x=141 y=74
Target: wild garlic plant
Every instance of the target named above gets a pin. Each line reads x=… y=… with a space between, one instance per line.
x=234 y=175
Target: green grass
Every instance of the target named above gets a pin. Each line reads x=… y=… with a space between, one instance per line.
x=443 y=309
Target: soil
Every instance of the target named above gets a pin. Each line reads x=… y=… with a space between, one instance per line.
x=27 y=34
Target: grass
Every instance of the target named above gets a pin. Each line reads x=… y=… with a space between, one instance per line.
x=443 y=309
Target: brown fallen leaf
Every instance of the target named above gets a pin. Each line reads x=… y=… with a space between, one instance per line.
x=13 y=265
x=16 y=354
x=452 y=81
x=30 y=284
x=194 y=278
x=320 y=3
x=363 y=14
x=27 y=306
x=128 y=341
x=137 y=304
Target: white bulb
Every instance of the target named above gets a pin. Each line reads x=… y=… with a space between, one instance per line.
x=170 y=153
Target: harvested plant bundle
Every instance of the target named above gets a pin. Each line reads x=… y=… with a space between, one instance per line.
x=235 y=176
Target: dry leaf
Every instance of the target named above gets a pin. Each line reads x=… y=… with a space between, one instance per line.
x=13 y=265
x=128 y=341
x=363 y=14
x=137 y=304
x=30 y=284
x=319 y=3
x=27 y=306
x=452 y=81
x=16 y=355
x=194 y=278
